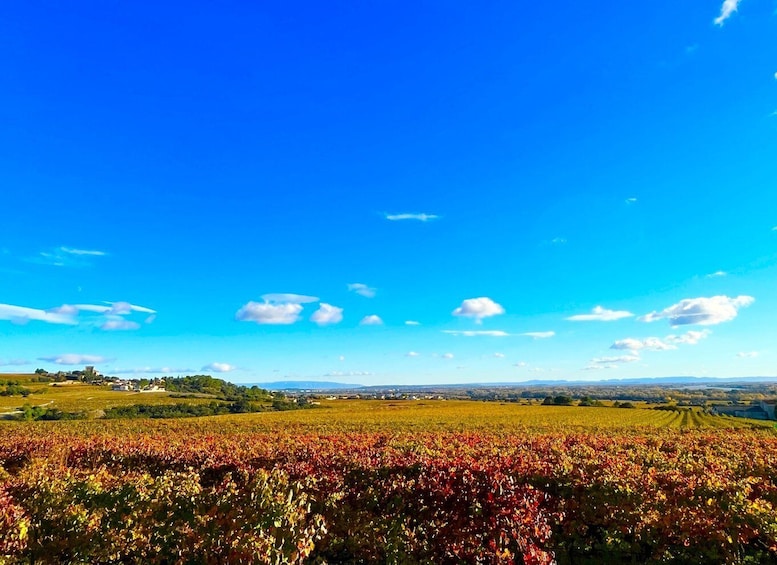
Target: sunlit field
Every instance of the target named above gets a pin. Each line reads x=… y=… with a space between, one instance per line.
x=354 y=481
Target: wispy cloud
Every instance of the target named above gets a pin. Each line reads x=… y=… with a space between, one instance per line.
x=327 y=314
x=668 y=343
x=717 y=274
x=151 y=371
x=362 y=290
x=371 y=320
x=479 y=308
x=408 y=216
x=647 y=344
x=611 y=362
x=89 y=252
x=412 y=354
x=22 y=315
x=66 y=257
x=631 y=200
x=75 y=359
x=477 y=333
x=747 y=354
x=600 y=314
x=219 y=367
x=412 y=323
x=689 y=338
x=701 y=311
x=13 y=362
x=348 y=374
x=447 y=356
x=727 y=10
x=113 y=314
x=539 y=335
x=119 y=324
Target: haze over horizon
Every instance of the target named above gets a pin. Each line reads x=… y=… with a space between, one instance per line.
x=368 y=194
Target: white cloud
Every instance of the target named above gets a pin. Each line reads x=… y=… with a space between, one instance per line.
x=600 y=314
x=341 y=358
x=74 y=359
x=150 y=370
x=478 y=308
x=412 y=354
x=558 y=241
x=327 y=314
x=412 y=323
x=362 y=290
x=474 y=333
x=289 y=298
x=266 y=313
x=717 y=274
x=539 y=335
x=688 y=338
x=747 y=354
x=122 y=308
x=726 y=10
x=600 y=367
x=13 y=362
x=110 y=308
x=648 y=344
x=371 y=320
x=22 y=315
x=521 y=364
x=447 y=355
x=701 y=311
x=417 y=217
x=219 y=367
x=631 y=200
x=74 y=251
x=66 y=257
x=499 y=355
x=119 y=324
x=348 y=374
x=619 y=359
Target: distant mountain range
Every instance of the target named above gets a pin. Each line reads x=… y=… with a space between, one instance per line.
x=654 y=381
x=306 y=385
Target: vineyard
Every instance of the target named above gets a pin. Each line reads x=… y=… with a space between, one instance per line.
x=403 y=482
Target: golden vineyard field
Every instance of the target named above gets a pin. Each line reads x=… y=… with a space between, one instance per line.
x=393 y=482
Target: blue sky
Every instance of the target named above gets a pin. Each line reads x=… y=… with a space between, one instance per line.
x=374 y=193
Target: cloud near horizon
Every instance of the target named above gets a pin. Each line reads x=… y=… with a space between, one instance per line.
x=14 y=362
x=218 y=367
x=701 y=311
x=371 y=320
x=75 y=359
